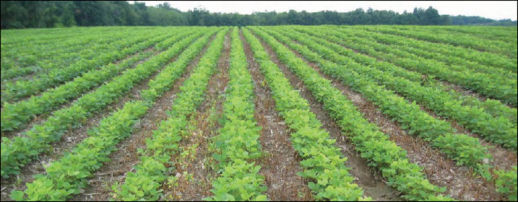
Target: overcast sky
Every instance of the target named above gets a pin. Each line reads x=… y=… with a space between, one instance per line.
x=489 y=9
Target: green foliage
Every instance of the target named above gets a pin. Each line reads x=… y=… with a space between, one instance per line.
x=144 y=183
x=30 y=56
x=497 y=47
x=237 y=141
x=500 y=131
x=323 y=162
x=478 y=56
x=16 y=114
x=239 y=181
x=372 y=144
x=394 y=70
x=454 y=56
x=462 y=148
x=66 y=176
x=506 y=183
x=496 y=86
x=22 y=88
x=20 y=150
x=25 y=14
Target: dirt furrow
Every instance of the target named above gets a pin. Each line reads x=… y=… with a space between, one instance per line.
x=502 y=158
x=456 y=87
x=126 y=157
x=281 y=163
x=42 y=117
x=366 y=177
x=67 y=142
x=194 y=170
x=466 y=92
x=459 y=181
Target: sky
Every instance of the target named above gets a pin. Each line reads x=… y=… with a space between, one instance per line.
x=490 y=9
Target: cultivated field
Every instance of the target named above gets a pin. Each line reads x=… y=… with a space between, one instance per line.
x=259 y=113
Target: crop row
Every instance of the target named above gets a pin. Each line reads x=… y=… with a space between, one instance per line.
x=417 y=55
x=482 y=57
x=237 y=143
x=493 y=107
x=35 y=52
x=18 y=151
x=498 y=36
x=506 y=183
x=464 y=41
x=500 y=131
x=19 y=38
x=25 y=57
x=322 y=162
x=22 y=88
x=60 y=182
x=407 y=114
x=16 y=114
x=493 y=34
x=430 y=52
x=499 y=88
x=485 y=34
x=470 y=147
x=144 y=183
x=57 y=58
x=372 y=144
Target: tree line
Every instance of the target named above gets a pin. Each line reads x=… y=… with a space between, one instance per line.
x=39 y=14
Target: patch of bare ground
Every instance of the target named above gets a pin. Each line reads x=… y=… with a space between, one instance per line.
x=463 y=91
x=126 y=157
x=503 y=158
x=281 y=163
x=194 y=170
x=369 y=179
x=67 y=142
x=476 y=188
x=460 y=182
x=42 y=117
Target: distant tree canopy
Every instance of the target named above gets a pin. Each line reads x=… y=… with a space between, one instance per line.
x=476 y=20
x=27 y=14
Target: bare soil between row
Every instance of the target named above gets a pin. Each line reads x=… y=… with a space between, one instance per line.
x=459 y=181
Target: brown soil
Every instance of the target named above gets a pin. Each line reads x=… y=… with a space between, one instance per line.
x=194 y=172
x=281 y=163
x=461 y=90
x=502 y=158
x=68 y=141
x=126 y=157
x=367 y=178
x=459 y=181
x=42 y=117
x=466 y=92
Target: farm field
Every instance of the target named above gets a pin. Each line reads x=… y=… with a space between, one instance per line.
x=259 y=113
